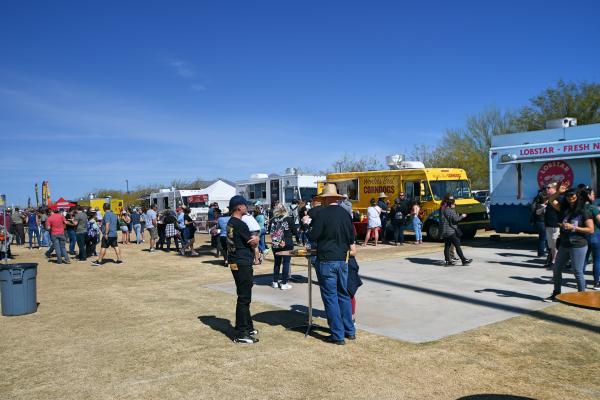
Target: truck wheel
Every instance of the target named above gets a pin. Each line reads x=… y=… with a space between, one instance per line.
x=468 y=233
x=433 y=231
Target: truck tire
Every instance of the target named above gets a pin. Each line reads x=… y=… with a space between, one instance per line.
x=434 y=232
x=468 y=233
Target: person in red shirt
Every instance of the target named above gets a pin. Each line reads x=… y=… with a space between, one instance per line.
x=56 y=225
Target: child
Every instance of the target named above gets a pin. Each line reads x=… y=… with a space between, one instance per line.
x=254 y=229
x=354 y=281
x=416 y=223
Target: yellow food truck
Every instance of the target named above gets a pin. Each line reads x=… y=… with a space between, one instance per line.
x=428 y=186
x=116 y=205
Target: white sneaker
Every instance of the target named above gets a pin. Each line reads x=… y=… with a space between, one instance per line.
x=285 y=286
x=275 y=285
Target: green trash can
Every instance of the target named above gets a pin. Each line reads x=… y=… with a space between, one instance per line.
x=18 y=293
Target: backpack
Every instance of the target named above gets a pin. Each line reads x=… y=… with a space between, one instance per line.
x=295 y=215
x=91 y=231
x=277 y=233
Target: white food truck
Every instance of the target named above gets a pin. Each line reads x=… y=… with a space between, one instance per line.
x=523 y=163
x=283 y=188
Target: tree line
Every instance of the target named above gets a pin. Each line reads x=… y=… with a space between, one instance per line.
x=463 y=147
x=467 y=146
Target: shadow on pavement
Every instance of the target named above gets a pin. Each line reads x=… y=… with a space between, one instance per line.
x=485 y=303
x=510 y=293
x=425 y=261
x=516 y=264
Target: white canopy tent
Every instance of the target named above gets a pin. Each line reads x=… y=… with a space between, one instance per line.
x=219 y=192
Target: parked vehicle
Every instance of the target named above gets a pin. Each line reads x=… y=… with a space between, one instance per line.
x=428 y=186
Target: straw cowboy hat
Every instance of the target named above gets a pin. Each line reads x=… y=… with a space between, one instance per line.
x=329 y=191
x=382 y=195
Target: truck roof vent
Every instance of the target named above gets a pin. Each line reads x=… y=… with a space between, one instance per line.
x=565 y=122
x=393 y=161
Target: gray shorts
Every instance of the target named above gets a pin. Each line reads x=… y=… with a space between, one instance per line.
x=153 y=233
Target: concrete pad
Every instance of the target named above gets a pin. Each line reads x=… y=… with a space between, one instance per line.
x=417 y=299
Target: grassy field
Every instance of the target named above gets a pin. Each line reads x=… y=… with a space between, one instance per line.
x=148 y=329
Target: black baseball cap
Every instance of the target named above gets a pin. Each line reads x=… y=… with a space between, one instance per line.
x=236 y=201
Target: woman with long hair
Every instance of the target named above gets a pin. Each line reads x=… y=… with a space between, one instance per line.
x=575 y=223
x=451 y=233
x=282 y=229
x=594 y=238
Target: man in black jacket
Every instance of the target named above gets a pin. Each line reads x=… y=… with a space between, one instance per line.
x=333 y=231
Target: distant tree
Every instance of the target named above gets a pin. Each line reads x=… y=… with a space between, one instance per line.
x=468 y=147
x=428 y=154
x=578 y=100
x=352 y=163
x=197 y=183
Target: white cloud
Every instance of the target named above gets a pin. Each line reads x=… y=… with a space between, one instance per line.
x=183 y=69
x=198 y=88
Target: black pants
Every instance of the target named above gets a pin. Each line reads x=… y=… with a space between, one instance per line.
x=449 y=241
x=223 y=245
x=19 y=232
x=398 y=232
x=243 y=283
x=90 y=246
x=81 y=245
x=175 y=239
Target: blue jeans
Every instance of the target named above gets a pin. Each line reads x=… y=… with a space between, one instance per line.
x=333 y=281
x=59 y=246
x=277 y=266
x=262 y=244
x=138 y=232
x=540 y=227
x=416 y=224
x=594 y=240
x=72 y=239
x=577 y=257
x=33 y=231
x=44 y=236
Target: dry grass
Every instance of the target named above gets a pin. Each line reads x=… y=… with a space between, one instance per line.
x=149 y=330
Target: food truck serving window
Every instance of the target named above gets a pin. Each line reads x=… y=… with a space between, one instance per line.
x=349 y=187
x=460 y=189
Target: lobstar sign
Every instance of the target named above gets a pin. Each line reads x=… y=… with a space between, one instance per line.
x=555 y=171
x=560 y=149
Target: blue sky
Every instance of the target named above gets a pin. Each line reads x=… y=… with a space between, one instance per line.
x=93 y=93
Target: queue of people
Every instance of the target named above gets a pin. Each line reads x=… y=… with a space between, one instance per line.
x=568 y=226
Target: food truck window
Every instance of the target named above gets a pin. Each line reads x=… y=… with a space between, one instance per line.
x=519 y=181
x=165 y=202
x=308 y=193
x=349 y=187
x=412 y=189
x=595 y=184
x=291 y=193
x=460 y=189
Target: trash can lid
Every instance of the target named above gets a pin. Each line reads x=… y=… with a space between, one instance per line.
x=18 y=266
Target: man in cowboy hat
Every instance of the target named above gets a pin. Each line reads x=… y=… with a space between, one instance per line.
x=384 y=214
x=333 y=231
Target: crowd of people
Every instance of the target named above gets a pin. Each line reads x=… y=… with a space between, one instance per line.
x=567 y=221
x=568 y=225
